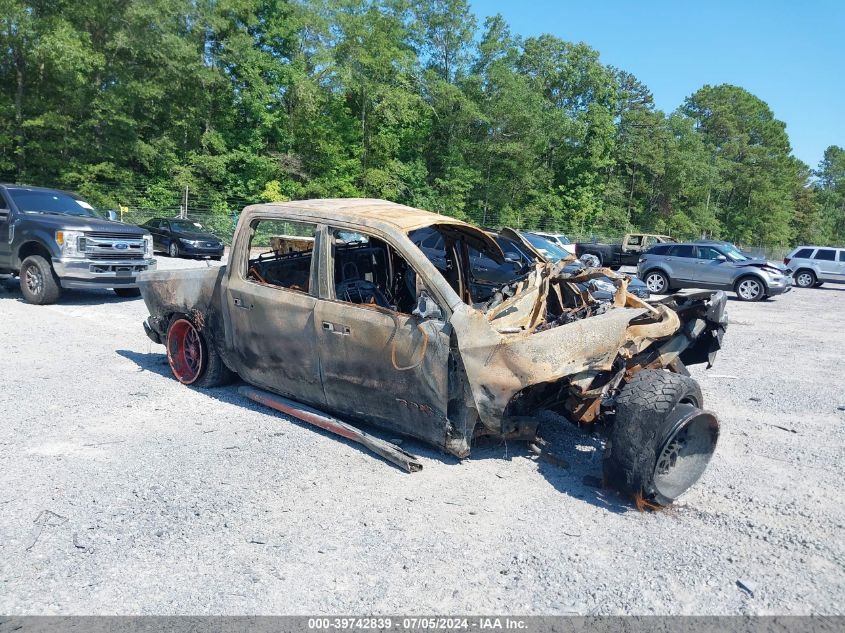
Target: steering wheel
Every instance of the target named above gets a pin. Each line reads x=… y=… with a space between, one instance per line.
x=361 y=291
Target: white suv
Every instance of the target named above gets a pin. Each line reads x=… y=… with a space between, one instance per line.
x=814 y=265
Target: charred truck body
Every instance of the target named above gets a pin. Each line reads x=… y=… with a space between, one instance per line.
x=358 y=322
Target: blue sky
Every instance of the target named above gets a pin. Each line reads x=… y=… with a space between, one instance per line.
x=790 y=54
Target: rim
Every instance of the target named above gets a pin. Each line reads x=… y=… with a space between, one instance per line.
x=34 y=280
x=655 y=282
x=184 y=351
x=686 y=450
x=805 y=280
x=174 y=251
x=749 y=289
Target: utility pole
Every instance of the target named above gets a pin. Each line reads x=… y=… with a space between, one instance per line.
x=185 y=207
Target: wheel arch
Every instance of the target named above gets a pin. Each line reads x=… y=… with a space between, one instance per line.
x=29 y=248
x=807 y=269
x=659 y=267
x=750 y=275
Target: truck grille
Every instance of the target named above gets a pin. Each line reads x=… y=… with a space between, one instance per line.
x=106 y=235
x=113 y=246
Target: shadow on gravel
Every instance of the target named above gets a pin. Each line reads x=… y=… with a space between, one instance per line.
x=581 y=480
x=157 y=364
x=736 y=299
x=10 y=289
x=583 y=452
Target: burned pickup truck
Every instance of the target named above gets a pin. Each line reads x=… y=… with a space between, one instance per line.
x=361 y=324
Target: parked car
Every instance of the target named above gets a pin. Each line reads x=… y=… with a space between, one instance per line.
x=558 y=239
x=371 y=330
x=54 y=240
x=548 y=249
x=487 y=276
x=814 y=265
x=536 y=249
x=184 y=238
x=666 y=267
x=625 y=254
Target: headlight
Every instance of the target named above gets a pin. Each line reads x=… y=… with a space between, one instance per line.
x=72 y=243
x=148 y=246
x=190 y=242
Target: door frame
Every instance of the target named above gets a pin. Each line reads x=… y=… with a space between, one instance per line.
x=425 y=420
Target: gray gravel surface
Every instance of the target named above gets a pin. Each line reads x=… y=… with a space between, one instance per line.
x=122 y=491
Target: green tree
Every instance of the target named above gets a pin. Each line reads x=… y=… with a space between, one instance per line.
x=750 y=150
x=831 y=196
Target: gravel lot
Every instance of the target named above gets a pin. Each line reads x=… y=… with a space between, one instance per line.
x=122 y=491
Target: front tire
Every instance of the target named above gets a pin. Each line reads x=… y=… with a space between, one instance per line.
x=805 y=279
x=750 y=289
x=657 y=282
x=173 y=249
x=661 y=441
x=192 y=358
x=39 y=284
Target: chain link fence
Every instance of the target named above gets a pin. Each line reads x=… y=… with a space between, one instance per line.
x=222 y=222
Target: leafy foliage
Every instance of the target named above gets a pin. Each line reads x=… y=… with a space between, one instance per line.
x=133 y=101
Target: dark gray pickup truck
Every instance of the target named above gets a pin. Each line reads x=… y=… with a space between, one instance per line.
x=614 y=256
x=53 y=240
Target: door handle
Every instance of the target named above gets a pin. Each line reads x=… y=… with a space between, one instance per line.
x=336 y=328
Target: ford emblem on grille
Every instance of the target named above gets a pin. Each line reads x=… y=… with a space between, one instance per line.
x=121 y=246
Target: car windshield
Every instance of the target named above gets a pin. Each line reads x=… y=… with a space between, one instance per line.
x=552 y=252
x=733 y=253
x=186 y=225
x=36 y=201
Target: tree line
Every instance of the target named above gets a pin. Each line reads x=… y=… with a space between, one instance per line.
x=132 y=101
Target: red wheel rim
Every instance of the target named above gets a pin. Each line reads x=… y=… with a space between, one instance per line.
x=184 y=351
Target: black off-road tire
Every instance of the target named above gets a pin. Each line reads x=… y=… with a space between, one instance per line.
x=640 y=428
x=212 y=371
x=39 y=284
x=127 y=292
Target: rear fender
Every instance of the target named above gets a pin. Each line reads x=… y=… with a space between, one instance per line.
x=192 y=292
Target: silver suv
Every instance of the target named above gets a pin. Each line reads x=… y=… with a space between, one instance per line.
x=717 y=265
x=814 y=265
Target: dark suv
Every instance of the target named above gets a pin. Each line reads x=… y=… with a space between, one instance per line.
x=54 y=239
